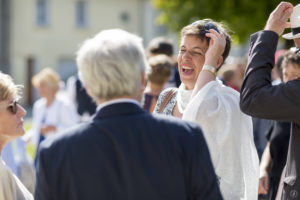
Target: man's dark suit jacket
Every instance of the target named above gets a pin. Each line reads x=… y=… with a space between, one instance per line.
x=281 y=102
x=125 y=153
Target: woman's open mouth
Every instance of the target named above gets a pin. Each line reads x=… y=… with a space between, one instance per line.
x=187 y=70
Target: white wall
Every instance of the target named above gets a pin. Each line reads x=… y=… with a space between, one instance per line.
x=59 y=41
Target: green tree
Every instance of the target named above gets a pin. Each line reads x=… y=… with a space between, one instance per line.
x=243 y=17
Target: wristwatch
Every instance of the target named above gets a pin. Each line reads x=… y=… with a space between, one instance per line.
x=210 y=68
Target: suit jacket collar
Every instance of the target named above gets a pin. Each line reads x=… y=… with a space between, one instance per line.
x=123 y=108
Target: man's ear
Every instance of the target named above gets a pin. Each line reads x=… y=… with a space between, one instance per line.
x=143 y=79
x=220 y=61
x=87 y=91
x=142 y=87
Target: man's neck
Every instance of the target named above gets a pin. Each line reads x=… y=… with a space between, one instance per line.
x=117 y=100
x=101 y=101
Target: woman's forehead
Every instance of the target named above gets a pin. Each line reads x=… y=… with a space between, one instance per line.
x=192 y=41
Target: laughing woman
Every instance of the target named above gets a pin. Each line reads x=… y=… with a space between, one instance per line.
x=201 y=98
x=11 y=127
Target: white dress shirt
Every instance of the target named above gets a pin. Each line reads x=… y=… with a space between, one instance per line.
x=114 y=101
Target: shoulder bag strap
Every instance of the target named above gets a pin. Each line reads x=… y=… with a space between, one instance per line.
x=167 y=99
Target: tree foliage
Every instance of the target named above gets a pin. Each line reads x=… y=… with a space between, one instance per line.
x=243 y=17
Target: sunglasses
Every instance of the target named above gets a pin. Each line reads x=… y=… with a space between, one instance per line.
x=13 y=107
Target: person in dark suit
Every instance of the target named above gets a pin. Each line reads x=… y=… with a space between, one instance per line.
x=280 y=102
x=124 y=152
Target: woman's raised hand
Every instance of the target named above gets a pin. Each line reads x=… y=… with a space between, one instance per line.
x=215 y=48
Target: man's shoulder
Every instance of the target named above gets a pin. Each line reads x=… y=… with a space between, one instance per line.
x=181 y=126
x=65 y=140
x=82 y=133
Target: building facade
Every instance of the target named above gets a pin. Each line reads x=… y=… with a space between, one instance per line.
x=47 y=33
x=4 y=35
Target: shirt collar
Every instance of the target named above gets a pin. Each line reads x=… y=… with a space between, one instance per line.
x=121 y=100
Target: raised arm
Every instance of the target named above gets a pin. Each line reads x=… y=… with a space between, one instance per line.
x=213 y=58
x=258 y=97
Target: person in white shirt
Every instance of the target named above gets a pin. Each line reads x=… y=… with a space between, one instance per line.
x=51 y=113
x=11 y=127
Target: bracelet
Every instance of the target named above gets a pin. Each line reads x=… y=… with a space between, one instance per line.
x=210 y=68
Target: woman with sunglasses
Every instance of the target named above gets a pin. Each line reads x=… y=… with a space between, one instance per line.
x=201 y=98
x=11 y=127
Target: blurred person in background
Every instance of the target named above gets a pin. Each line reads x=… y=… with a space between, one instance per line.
x=229 y=76
x=158 y=75
x=51 y=113
x=83 y=103
x=276 y=73
x=11 y=127
x=205 y=44
x=163 y=45
x=231 y=79
x=232 y=73
x=275 y=154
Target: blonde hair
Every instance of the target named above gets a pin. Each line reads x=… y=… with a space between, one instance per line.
x=160 y=69
x=48 y=76
x=200 y=28
x=8 y=89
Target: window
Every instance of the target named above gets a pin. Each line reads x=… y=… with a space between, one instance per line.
x=81 y=14
x=42 y=12
x=66 y=67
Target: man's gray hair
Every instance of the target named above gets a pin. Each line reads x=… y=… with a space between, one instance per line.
x=111 y=64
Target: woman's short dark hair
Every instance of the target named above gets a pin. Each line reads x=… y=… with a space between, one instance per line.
x=200 y=28
x=160 y=45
